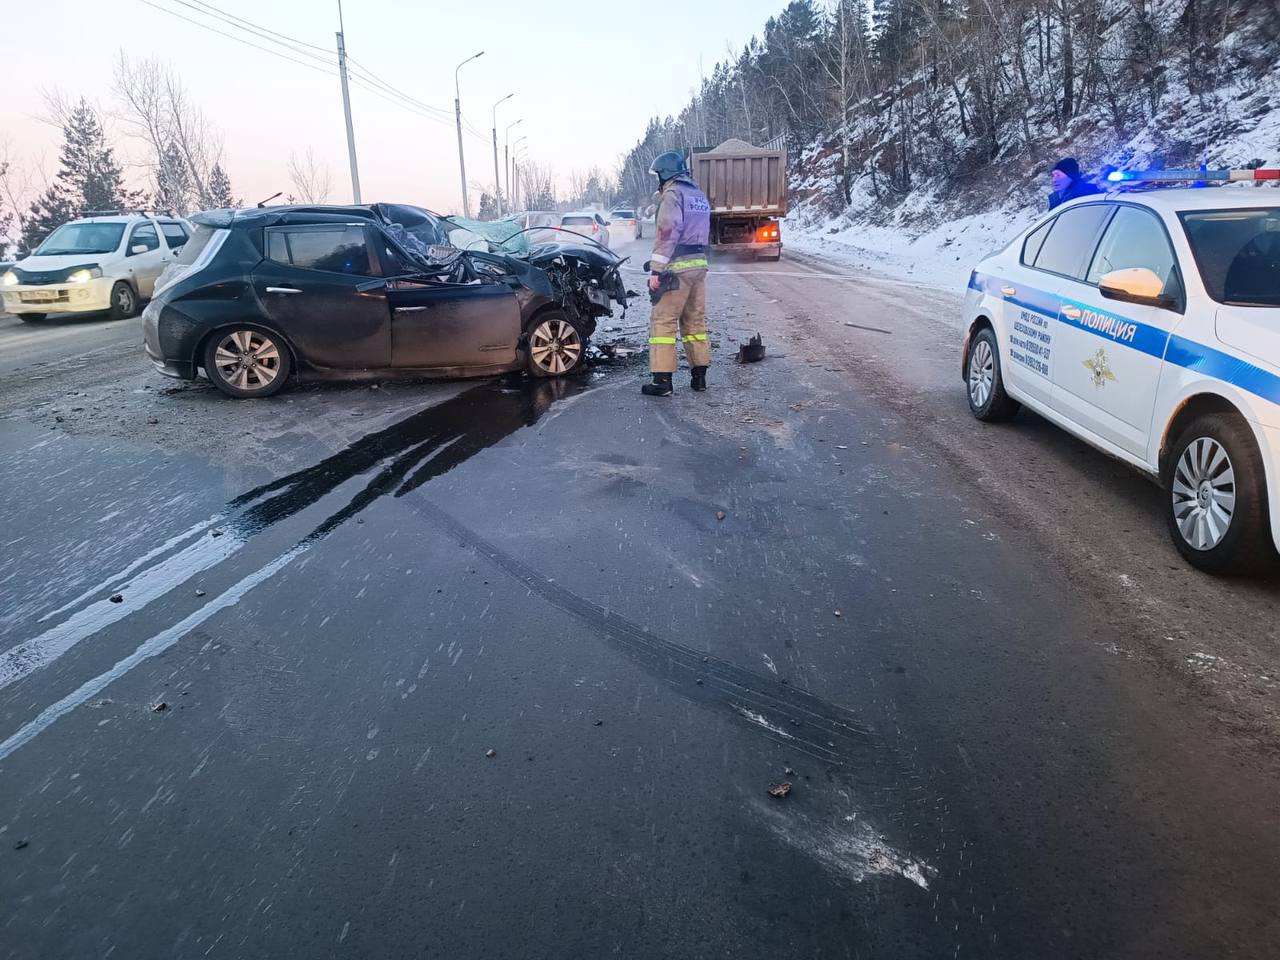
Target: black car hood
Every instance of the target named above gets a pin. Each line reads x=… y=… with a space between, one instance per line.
x=594 y=256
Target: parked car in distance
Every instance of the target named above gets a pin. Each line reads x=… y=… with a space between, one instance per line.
x=109 y=262
x=346 y=292
x=626 y=222
x=588 y=223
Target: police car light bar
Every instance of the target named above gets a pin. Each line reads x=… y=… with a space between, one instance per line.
x=1125 y=176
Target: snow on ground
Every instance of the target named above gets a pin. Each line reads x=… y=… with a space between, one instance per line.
x=941 y=257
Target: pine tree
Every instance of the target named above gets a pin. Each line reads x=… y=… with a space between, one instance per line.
x=173 y=183
x=488 y=207
x=89 y=178
x=219 y=190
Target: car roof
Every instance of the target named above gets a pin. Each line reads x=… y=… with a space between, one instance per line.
x=113 y=218
x=254 y=217
x=1174 y=199
x=579 y=213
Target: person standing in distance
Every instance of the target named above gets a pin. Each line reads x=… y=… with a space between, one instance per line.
x=1068 y=182
x=678 y=277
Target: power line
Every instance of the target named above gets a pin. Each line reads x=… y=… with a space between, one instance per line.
x=264 y=33
x=365 y=78
x=231 y=36
x=283 y=36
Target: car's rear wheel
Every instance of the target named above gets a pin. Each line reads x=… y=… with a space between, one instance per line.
x=555 y=346
x=124 y=302
x=31 y=317
x=247 y=362
x=1216 y=497
x=987 y=399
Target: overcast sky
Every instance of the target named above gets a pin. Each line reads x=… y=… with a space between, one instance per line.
x=587 y=75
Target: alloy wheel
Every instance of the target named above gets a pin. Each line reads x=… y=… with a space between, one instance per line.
x=982 y=367
x=555 y=346
x=1204 y=493
x=124 y=300
x=248 y=359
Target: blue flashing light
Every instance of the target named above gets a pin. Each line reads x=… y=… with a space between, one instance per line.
x=1115 y=176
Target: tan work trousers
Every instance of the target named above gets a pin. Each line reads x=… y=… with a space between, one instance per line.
x=681 y=314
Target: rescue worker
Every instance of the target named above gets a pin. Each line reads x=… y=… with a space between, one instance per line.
x=1068 y=182
x=678 y=272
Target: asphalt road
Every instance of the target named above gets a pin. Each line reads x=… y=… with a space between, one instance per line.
x=493 y=670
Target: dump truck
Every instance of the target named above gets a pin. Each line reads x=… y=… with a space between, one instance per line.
x=747 y=187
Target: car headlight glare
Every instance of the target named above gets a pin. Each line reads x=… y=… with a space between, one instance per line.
x=10 y=279
x=84 y=274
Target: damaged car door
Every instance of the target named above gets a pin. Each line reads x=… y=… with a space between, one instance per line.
x=462 y=319
x=321 y=288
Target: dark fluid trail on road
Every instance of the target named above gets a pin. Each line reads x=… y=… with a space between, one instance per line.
x=423 y=446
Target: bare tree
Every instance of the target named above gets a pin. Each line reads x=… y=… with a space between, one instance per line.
x=312 y=181
x=159 y=113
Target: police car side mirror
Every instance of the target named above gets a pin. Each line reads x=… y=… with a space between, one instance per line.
x=1136 y=285
x=138 y=248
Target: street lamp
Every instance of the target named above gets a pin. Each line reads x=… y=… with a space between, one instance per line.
x=506 y=153
x=515 y=175
x=497 y=178
x=457 y=114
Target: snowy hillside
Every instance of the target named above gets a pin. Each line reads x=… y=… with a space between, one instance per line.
x=948 y=218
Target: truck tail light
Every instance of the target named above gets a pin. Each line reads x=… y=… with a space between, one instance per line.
x=595 y=228
x=766 y=233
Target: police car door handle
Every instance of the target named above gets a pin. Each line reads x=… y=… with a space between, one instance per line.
x=1008 y=291
x=1072 y=312
x=410 y=309
x=283 y=290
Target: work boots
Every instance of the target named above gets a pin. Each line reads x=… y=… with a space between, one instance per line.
x=698 y=379
x=661 y=386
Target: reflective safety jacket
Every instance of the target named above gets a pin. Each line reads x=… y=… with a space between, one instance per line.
x=683 y=227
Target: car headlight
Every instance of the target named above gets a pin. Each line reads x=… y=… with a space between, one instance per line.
x=84 y=274
x=10 y=279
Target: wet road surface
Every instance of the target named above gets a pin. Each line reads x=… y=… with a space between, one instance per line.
x=494 y=669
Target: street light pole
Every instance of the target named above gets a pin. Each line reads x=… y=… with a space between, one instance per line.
x=515 y=175
x=497 y=178
x=346 y=108
x=506 y=155
x=457 y=114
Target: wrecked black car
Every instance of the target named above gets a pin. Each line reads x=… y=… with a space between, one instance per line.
x=259 y=295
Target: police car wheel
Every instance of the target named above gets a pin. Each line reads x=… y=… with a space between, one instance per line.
x=1216 y=497
x=987 y=399
x=554 y=347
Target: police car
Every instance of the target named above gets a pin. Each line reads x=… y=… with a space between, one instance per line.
x=1148 y=324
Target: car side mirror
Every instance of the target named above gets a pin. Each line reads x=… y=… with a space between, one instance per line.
x=1136 y=285
x=138 y=248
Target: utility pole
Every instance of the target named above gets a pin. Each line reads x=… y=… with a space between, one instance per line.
x=346 y=108
x=506 y=156
x=497 y=177
x=457 y=114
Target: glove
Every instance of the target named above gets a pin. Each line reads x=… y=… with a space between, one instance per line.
x=655 y=282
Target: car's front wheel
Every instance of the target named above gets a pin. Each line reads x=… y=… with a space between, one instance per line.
x=555 y=346
x=247 y=362
x=124 y=302
x=1216 y=497
x=987 y=399
x=31 y=317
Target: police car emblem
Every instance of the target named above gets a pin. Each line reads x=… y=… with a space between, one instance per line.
x=1100 y=369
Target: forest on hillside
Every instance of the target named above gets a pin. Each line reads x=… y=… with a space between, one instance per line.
x=883 y=96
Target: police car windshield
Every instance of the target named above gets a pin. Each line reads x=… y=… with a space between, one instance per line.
x=82 y=238
x=1238 y=253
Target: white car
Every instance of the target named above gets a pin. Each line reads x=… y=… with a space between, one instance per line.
x=94 y=264
x=587 y=223
x=624 y=219
x=1148 y=324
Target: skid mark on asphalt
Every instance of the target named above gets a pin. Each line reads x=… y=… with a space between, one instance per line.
x=786 y=714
